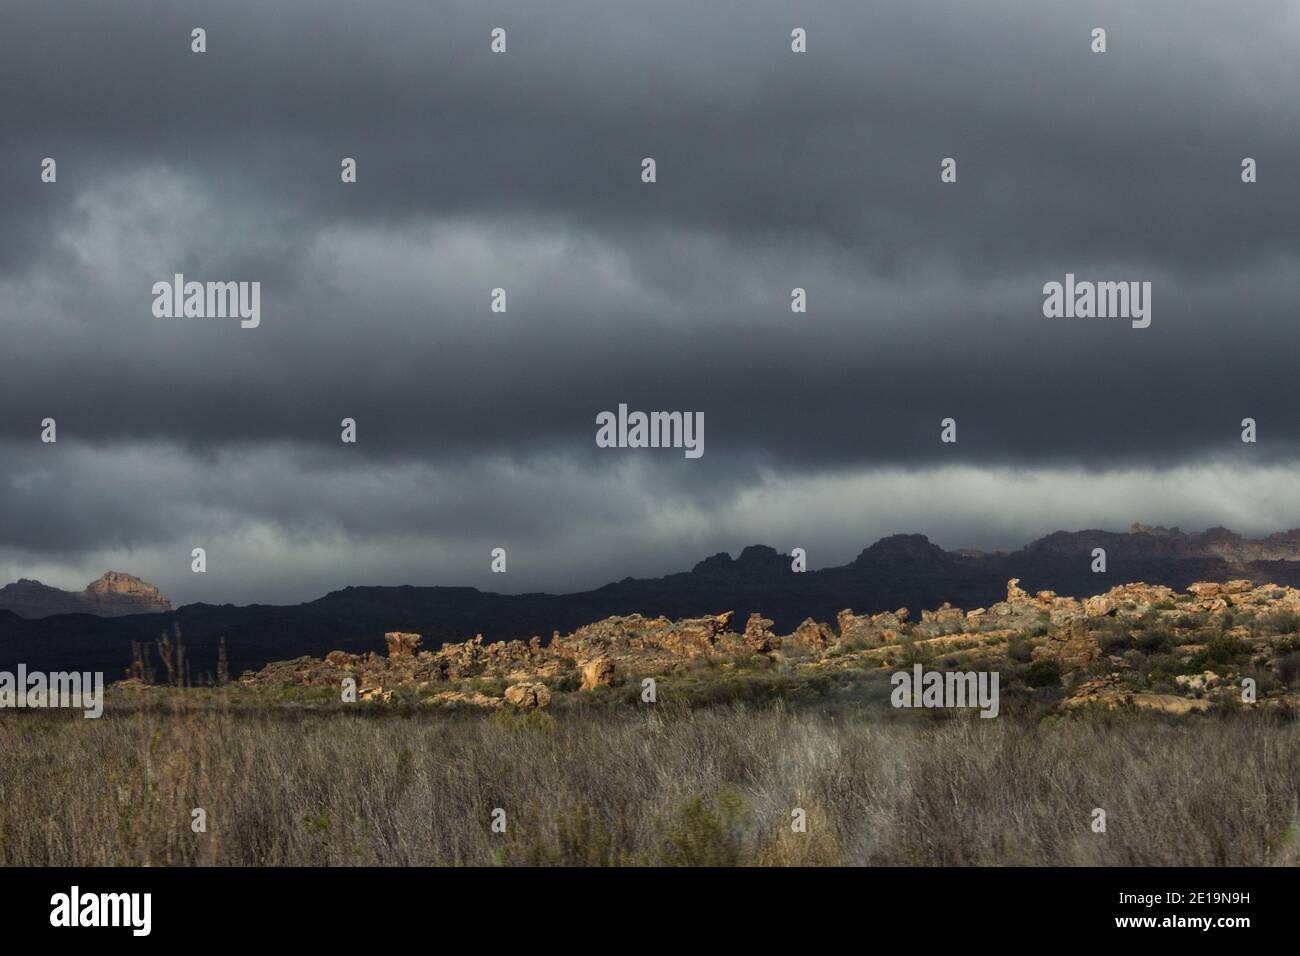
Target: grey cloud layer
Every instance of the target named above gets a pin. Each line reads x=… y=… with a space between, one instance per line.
x=521 y=171
x=280 y=524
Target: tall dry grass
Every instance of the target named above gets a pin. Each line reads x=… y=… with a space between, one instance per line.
x=705 y=787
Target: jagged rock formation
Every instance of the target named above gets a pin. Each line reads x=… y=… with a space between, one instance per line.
x=757 y=635
x=1063 y=631
x=1072 y=646
x=898 y=570
x=813 y=635
x=113 y=595
x=401 y=644
x=870 y=628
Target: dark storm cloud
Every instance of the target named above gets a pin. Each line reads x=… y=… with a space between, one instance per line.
x=843 y=142
x=522 y=171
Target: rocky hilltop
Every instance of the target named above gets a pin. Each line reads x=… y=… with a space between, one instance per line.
x=1135 y=645
x=899 y=570
x=112 y=595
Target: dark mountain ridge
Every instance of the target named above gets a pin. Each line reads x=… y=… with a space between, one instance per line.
x=897 y=571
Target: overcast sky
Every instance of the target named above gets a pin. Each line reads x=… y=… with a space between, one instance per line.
x=522 y=170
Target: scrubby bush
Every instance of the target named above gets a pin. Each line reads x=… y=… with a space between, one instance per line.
x=1154 y=640
x=1113 y=641
x=1223 y=649
x=1045 y=672
x=711 y=833
x=1288 y=669
x=1281 y=622
x=644 y=786
x=912 y=653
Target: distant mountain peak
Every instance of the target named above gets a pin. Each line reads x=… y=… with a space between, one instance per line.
x=755 y=562
x=118 y=582
x=758 y=552
x=904 y=547
x=113 y=594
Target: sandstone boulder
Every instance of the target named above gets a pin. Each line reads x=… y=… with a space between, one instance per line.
x=1100 y=692
x=1170 y=703
x=856 y=628
x=536 y=695
x=598 y=672
x=813 y=635
x=457 y=698
x=1102 y=605
x=696 y=637
x=1205 y=589
x=758 y=634
x=1071 y=646
x=945 y=614
x=401 y=644
x=1137 y=599
x=1197 y=682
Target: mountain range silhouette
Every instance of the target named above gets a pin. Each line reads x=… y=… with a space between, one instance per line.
x=903 y=570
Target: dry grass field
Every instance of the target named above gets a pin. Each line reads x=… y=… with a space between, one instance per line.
x=696 y=786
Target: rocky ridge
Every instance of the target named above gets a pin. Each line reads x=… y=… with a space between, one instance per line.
x=1135 y=644
x=903 y=569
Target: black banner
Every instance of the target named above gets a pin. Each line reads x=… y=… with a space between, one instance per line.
x=333 y=905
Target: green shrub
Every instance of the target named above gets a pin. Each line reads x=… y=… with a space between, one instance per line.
x=1288 y=645
x=569 y=682
x=707 y=834
x=1282 y=622
x=1223 y=649
x=1112 y=641
x=1044 y=672
x=912 y=653
x=1165 y=667
x=1288 y=669
x=523 y=721
x=1153 y=641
